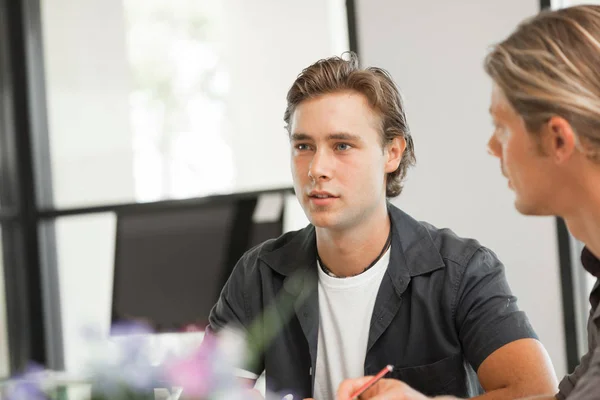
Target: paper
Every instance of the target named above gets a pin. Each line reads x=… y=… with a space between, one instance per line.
x=268 y=208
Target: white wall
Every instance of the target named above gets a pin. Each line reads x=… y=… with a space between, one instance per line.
x=435 y=51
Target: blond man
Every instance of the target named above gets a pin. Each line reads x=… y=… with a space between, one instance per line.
x=546 y=109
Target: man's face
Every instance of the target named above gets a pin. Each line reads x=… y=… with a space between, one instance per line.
x=337 y=160
x=528 y=170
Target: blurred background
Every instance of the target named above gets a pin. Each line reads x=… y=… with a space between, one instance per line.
x=129 y=126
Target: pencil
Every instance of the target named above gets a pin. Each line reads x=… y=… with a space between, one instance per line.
x=371 y=382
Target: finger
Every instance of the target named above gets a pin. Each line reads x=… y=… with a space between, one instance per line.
x=349 y=386
x=391 y=389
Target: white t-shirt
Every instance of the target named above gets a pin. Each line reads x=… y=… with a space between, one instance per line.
x=345 y=309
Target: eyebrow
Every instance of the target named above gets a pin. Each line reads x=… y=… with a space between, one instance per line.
x=295 y=137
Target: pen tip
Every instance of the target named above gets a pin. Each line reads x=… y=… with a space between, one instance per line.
x=390 y=367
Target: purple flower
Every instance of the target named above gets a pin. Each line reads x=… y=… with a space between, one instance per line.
x=130 y=328
x=27 y=386
x=195 y=373
x=209 y=370
x=25 y=390
x=123 y=361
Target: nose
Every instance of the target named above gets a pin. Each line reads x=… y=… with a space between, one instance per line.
x=320 y=166
x=493 y=147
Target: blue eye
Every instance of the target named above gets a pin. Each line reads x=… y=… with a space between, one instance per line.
x=343 y=146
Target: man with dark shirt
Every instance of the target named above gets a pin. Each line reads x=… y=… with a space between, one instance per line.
x=365 y=285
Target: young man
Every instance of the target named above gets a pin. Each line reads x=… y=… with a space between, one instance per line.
x=546 y=110
x=365 y=285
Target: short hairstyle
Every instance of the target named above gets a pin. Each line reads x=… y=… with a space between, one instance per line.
x=338 y=74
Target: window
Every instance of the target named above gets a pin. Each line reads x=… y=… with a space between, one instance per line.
x=164 y=99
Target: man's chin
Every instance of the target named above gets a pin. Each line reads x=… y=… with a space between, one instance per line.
x=322 y=220
x=530 y=209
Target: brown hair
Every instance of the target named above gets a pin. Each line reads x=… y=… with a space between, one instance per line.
x=549 y=67
x=337 y=74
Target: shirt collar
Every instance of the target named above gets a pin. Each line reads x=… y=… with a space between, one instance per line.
x=590 y=262
x=413 y=248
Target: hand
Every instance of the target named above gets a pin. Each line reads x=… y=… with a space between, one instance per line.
x=384 y=389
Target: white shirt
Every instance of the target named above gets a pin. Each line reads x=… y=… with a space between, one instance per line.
x=345 y=310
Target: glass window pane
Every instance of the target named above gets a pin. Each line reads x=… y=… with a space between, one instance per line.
x=85 y=254
x=178 y=98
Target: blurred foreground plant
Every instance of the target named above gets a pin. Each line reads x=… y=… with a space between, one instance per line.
x=124 y=368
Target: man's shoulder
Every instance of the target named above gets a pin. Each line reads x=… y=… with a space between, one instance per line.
x=287 y=242
x=452 y=247
x=277 y=243
x=464 y=258
x=427 y=246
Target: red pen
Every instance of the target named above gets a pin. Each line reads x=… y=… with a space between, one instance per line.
x=371 y=382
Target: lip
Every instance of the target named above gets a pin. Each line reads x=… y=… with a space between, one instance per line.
x=321 y=201
x=321 y=193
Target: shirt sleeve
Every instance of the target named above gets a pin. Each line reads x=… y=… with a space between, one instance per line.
x=233 y=310
x=486 y=311
x=588 y=386
x=567 y=385
x=230 y=308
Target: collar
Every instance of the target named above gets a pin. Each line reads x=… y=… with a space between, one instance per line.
x=413 y=249
x=590 y=262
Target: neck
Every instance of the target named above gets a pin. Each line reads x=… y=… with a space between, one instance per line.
x=583 y=215
x=349 y=251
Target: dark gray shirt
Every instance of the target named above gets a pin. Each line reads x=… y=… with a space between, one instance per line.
x=584 y=382
x=443 y=307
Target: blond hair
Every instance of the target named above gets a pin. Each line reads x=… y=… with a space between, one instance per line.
x=550 y=67
x=337 y=74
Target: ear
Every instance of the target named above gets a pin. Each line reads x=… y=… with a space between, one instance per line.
x=559 y=140
x=394 y=151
